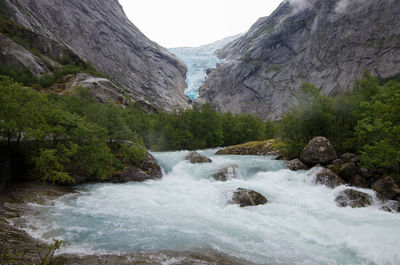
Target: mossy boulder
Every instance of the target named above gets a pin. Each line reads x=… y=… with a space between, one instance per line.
x=269 y=147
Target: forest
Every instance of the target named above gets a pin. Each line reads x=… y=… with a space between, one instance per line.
x=58 y=137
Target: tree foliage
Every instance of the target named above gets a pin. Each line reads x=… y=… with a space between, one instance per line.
x=365 y=120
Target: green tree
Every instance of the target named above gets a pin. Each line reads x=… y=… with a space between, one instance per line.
x=19 y=111
x=379 y=129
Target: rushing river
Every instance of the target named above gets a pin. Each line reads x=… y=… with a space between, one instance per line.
x=188 y=210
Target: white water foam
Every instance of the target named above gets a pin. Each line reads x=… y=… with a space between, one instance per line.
x=187 y=209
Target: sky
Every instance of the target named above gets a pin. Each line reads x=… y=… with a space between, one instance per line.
x=179 y=23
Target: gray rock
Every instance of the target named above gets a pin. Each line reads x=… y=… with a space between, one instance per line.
x=226 y=173
x=386 y=187
x=337 y=162
x=132 y=174
x=151 y=167
x=296 y=164
x=246 y=197
x=353 y=198
x=365 y=172
x=12 y=54
x=100 y=32
x=265 y=68
x=328 y=178
x=101 y=89
x=358 y=181
x=196 y=158
x=348 y=170
x=347 y=157
x=356 y=160
x=318 y=151
x=391 y=206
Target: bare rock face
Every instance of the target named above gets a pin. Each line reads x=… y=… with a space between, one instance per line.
x=99 y=32
x=328 y=178
x=386 y=187
x=196 y=158
x=245 y=197
x=324 y=43
x=318 y=151
x=13 y=54
x=353 y=198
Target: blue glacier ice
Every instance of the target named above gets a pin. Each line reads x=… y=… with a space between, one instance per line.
x=198 y=60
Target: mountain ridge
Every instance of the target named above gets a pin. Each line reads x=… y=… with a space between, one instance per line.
x=100 y=32
x=317 y=43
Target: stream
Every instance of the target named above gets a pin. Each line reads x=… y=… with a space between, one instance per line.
x=188 y=210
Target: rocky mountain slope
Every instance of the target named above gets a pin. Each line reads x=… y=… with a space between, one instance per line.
x=99 y=32
x=325 y=42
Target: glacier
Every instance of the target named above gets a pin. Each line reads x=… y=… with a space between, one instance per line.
x=198 y=60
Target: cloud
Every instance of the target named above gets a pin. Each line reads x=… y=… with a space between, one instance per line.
x=345 y=6
x=300 y=5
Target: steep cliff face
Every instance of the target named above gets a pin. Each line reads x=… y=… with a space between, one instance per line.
x=325 y=42
x=99 y=32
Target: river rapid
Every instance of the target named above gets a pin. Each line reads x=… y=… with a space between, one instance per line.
x=188 y=210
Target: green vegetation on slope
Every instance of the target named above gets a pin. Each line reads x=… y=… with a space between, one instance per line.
x=67 y=63
x=65 y=136
x=365 y=121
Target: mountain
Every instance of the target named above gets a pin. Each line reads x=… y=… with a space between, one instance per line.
x=325 y=42
x=199 y=60
x=99 y=32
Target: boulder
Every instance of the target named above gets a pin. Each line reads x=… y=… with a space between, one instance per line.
x=196 y=158
x=358 y=181
x=151 y=167
x=346 y=157
x=131 y=174
x=365 y=173
x=348 y=170
x=390 y=206
x=226 y=173
x=328 y=178
x=386 y=187
x=353 y=198
x=355 y=160
x=268 y=147
x=296 y=164
x=337 y=162
x=245 y=197
x=318 y=151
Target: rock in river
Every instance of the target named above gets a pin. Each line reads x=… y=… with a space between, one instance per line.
x=245 y=197
x=195 y=158
x=296 y=164
x=353 y=198
x=318 y=151
x=226 y=173
x=328 y=178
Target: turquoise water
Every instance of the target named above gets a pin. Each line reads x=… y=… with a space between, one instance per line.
x=187 y=210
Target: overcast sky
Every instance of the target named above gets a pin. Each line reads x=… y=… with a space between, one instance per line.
x=177 y=23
